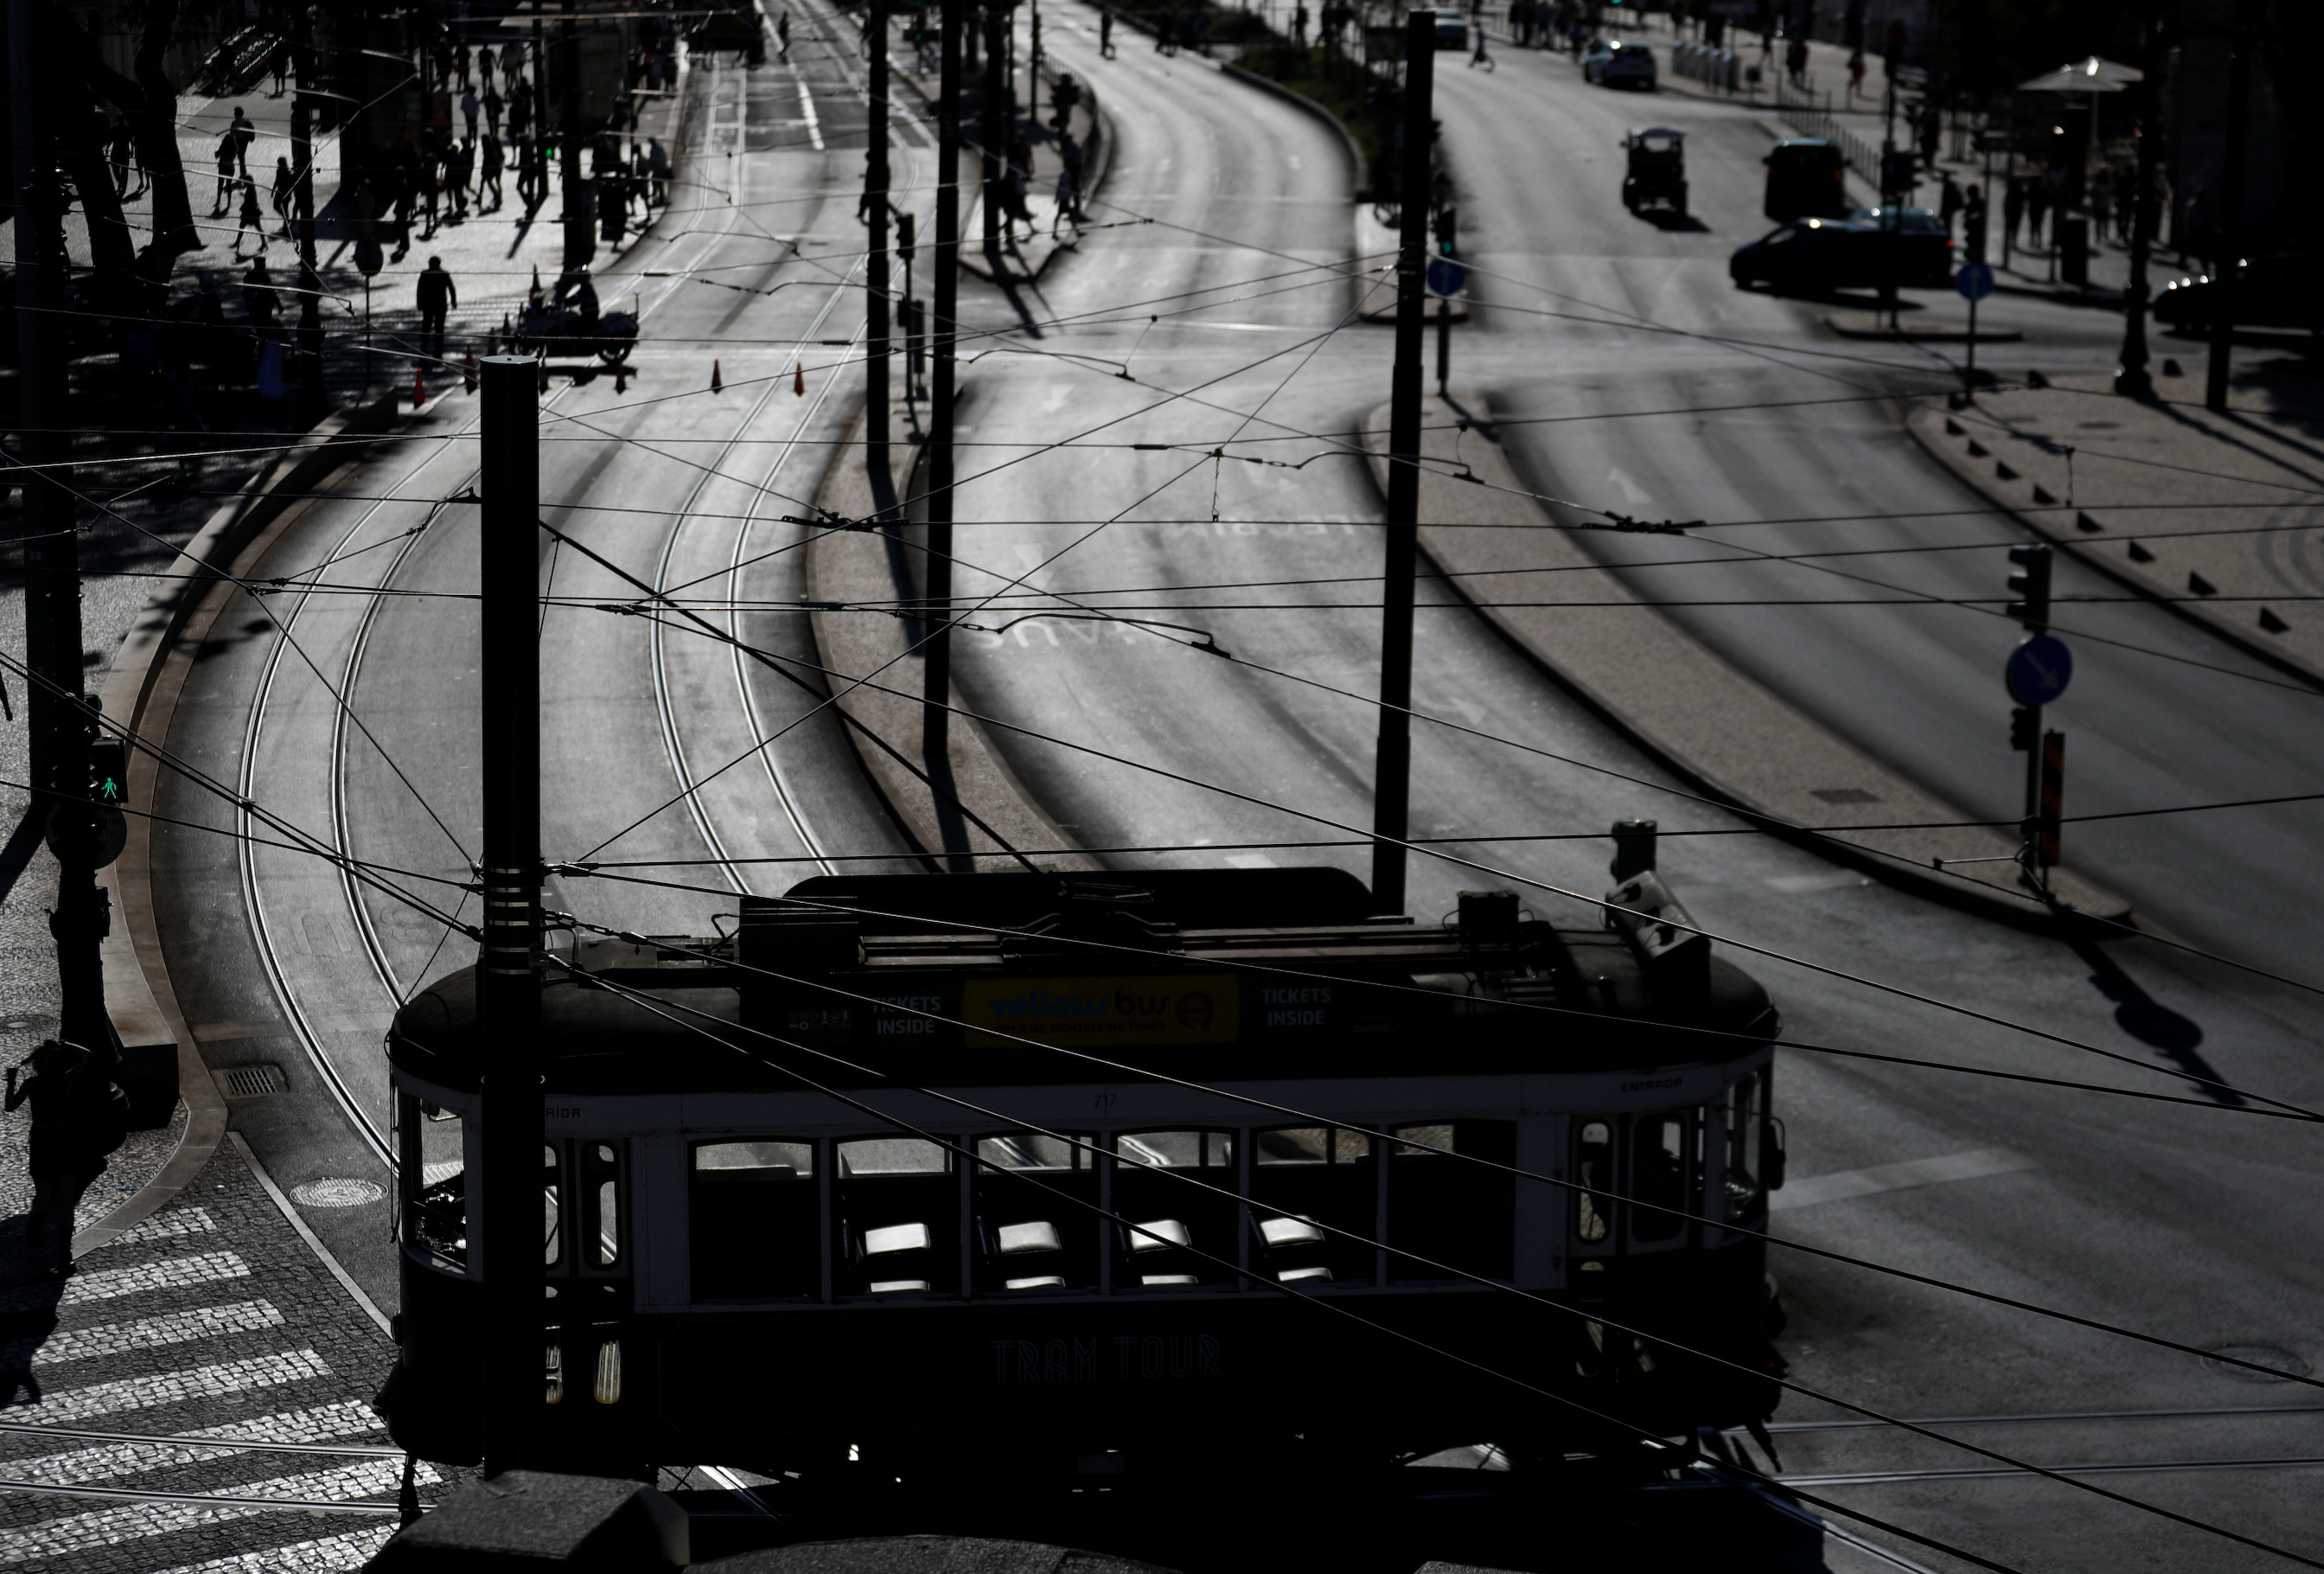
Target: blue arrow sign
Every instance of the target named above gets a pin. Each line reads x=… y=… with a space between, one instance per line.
x=1975 y=281
x=1446 y=276
x=2039 y=671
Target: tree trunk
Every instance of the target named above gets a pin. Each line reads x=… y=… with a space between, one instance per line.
x=110 y=251
x=150 y=100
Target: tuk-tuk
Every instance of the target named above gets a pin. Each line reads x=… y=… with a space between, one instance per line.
x=1656 y=176
x=1807 y=177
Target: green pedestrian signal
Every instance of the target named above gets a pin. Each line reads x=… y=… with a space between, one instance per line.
x=108 y=771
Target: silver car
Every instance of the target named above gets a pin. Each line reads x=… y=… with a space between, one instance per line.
x=1612 y=62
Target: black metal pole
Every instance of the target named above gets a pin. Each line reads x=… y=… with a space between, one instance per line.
x=580 y=240
x=1392 y=766
x=312 y=402
x=1444 y=343
x=508 y=987
x=2227 y=265
x=935 y=729
x=875 y=265
x=990 y=132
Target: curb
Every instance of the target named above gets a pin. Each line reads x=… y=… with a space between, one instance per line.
x=138 y=995
x=1927 y=424
x=1723 y=734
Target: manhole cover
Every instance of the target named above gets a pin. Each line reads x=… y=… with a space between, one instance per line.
x=332 y=1192
x=2267 y=1355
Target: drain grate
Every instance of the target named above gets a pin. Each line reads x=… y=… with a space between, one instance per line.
x=250 y=1081
x=333 y=1192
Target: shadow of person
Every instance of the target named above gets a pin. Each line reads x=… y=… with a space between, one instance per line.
x=29 y=1296
x=2154 y=1024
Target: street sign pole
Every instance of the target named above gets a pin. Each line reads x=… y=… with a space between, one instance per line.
x=508 y=984
x=1392 y=761
x=935 y=618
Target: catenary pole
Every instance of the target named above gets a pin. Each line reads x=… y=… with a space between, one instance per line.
x=580 y=237
x=1392 y=761
x=2227 y=262
x=311 y=400
x=875 y=262
x=936 y=736
x=508 y=985
x=991 y=131
x=2132 y=377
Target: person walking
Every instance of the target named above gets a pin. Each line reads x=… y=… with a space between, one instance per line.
x=78 y=1117
x=460 y=62
x=437 y=295
x=2037 y=208
x=484 y=64
x=253 y=218
x=243 y=132
x=2013 y=210
x=1069 y=185
x=519 y=108
x=223 y=198
x=286 y=186
x=1973 y=223
x=1479 y=57
x=1105 y=33
x=657 y=165
x=1795 y=59
x=783 y=37
x=2101 y=206
x=1948 y=201
x=459 y=170
x=492 y=104
x=1855 y=74
x=122 y=150
x=490 y=161
x=470 y=106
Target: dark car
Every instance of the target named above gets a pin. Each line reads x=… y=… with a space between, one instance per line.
x=1807 y=177
x=1838 y=254
x=1614 y=61
x=2275 y=291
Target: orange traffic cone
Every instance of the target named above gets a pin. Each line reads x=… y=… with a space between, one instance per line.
x=419 y=390
x=717 y=385
x=468 y=371
x=798 y=377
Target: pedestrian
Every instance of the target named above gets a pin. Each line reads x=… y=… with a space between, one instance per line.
x=783 y=36
x=437 y=295
x=224 y=196
x=519 y=108
x=1795 y=59
x=1973 y=223
x=1105 y=33
x=488 y=180
x=492 y=102
x=253 y=218
x=484 y=64
x=403 y=188
x=2101 y=205
x=1948 y=201
x=1855 y=73
x=1017 y=177
x=286 y=186
x=1166 y=32
x=460 y=62
x=244 y=134
x=121 y=150
x=79 y=1117
x=459 y=170
x=658 y=164
x=1479 y=57
x=281 y=64
x=2037 y=208
x=1069 y=185
x=470 y=106
x=2013 y=210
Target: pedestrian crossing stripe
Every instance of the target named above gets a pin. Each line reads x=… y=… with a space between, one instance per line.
x=183 y=1221
x=167 y=1388
x=326 y=1556
x=79 y=1533
x=114 y=1338
x=175 y=1273
x=110 y=1461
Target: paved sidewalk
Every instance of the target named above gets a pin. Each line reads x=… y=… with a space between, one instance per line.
x=2217 y=515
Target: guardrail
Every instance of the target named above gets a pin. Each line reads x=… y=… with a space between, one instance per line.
x=1716 y=67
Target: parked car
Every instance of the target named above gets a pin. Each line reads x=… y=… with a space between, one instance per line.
x=1807 y=177
x=2275 y=291
x=1613 y=62
x=1840 y=254
x=1452 y=29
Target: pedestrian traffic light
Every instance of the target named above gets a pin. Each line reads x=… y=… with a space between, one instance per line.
x=2025 y=728
x=2028 y=581
x=108 y=771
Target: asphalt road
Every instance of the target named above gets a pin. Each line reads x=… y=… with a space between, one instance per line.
x=1220 y=291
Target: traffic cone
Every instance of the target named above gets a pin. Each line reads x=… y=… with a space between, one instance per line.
x=717 y=383
x=468 y=371
x=419 y=390
x=798 y=377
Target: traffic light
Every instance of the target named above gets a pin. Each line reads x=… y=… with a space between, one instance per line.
x=108 y=771
x=1446 y=224
x=2025 y=728
x=2028 y=581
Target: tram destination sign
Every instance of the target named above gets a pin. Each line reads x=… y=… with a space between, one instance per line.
x=1176 y=1008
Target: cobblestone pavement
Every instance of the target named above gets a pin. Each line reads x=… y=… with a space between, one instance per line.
x=212 y=1318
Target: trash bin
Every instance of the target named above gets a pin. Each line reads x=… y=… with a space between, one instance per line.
x=2072 y=232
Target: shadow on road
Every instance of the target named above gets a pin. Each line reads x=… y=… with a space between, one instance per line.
x=2154 y=1024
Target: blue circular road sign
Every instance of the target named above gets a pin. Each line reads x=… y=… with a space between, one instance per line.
x=2039 y=670
x=1446 y=276
x=367 y=256
x=1975 y=281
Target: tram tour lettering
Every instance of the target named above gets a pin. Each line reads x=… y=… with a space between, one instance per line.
x=1134 y=1358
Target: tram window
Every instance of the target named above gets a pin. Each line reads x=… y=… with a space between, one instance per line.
x=1033 y=1197
x=436 y=1203
x=899 y=1217
x=1447 y=1208
x=1746 y=1190
x=757 y=1227
x=1305 y=1179
x=1593 y=1168
x=552 y=1208
x=1186 y=1233
x=599 y=1185
x=1659 y=1150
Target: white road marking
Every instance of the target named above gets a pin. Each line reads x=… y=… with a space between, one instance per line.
x=109 y=1527
x=332 y=1553
x=183 y=1221
x=113 y=1338
x=807 y=109
x=175 y=1273
x=165 y=1388
x=1847 y=1183
x=1793 y=884
x=349 y=1418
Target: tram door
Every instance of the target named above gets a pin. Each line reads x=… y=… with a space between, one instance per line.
x=1637 y=1177
x=586 y=1191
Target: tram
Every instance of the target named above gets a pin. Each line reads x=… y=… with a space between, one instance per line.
x=1064 y=1174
